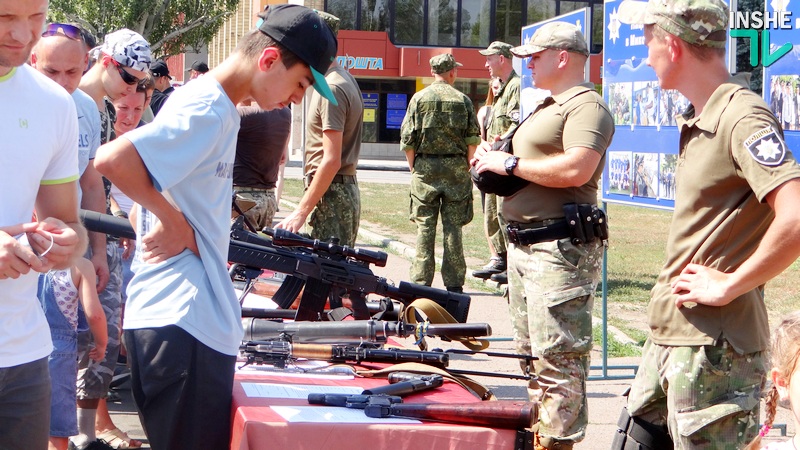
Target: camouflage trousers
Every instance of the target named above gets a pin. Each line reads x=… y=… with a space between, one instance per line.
x=707 y=396
x=261 y=215
x=551 y=289
x=337 y=214
x=94 y=377
x=440 y=186
x=491 y=222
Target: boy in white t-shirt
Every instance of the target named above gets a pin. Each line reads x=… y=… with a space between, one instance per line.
x=183 y=320
x=39 y=169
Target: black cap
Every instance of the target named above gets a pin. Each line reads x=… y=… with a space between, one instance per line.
x=304 y=33
x=160 y=69
x=199 y=66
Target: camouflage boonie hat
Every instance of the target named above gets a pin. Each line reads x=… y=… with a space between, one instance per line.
x=497 y=48
x=699 y=22
x=554 y=35
x=331 y=20
x=443 y=63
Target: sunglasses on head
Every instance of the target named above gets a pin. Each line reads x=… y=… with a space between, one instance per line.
x=70 y=31
x=127 y=78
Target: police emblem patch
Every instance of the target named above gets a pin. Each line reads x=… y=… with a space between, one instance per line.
x=766 y=147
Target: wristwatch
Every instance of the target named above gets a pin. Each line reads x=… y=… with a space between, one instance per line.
x=511 y=164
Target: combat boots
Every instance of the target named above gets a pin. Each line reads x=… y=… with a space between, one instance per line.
x=496 y=265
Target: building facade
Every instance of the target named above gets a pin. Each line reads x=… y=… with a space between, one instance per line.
x=386 y=45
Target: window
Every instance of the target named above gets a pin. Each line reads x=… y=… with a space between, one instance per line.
x=346 y=11
x=409 y=22
x=508 y=21
x=539 y=10
x=374 y=15
x=442 y=22
x=475 y=19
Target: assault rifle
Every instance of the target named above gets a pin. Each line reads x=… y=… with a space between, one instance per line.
x=282 y=353
x=356 y=331
x=321 y=270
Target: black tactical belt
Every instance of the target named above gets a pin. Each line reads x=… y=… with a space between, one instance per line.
x=444 y=155
x=536 y=232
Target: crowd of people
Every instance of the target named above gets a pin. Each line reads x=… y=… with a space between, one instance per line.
x=171 y=159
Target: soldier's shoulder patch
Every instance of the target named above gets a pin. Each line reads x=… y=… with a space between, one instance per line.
x=514 y=115
x=766 y=146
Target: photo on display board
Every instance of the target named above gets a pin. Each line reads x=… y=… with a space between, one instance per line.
x=645 y=103
x=620 y=102
x=666 y=176
x=619 y=172
x=784 y=100
x=673 y=103
x=645 y=175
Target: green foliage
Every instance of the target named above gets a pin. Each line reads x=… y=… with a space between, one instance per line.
x=171 y=26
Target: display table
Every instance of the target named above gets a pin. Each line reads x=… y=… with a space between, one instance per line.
x=257 y=425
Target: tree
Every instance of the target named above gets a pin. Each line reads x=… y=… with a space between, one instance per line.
x=170 y=26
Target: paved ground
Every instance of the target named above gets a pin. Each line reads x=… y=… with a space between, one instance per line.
x=605 y=388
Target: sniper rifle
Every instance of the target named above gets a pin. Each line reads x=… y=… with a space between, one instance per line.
x=321 y=270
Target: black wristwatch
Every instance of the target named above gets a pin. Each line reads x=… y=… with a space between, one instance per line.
x=511 y=164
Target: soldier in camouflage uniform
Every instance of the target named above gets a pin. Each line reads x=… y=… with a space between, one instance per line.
x=260 y=148
x=734 y=227
x=552 y=278
x=505 y=116
x=439 y=135
x=331 y=202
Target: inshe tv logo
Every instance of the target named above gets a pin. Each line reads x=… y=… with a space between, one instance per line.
x=746 y=25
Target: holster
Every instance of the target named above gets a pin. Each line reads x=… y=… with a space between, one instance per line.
x=585 y=222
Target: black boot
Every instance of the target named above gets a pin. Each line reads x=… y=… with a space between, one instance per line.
x=496 y=265
x=500 y=278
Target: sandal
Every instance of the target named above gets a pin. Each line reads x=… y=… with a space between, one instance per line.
x=117 y=438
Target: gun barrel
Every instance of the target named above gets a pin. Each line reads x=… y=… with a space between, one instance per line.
x=104 y=223
x=496 y=414
x=355 y=330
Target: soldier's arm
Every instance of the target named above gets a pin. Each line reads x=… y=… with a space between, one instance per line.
x=328 y=168
x=779 y=248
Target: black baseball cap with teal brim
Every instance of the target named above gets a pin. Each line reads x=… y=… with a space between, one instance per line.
x=304 y=33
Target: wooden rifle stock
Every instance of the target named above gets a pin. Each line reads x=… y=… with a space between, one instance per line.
x=506 y=414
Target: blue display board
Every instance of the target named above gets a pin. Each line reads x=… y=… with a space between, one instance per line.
x=641 y=161
x=529 y=94
x=396 y=101
x=370 y=100
x=394 y=118
x=781 y=88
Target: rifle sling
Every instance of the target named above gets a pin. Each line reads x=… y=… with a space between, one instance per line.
x=476 y=388
x=436 y=314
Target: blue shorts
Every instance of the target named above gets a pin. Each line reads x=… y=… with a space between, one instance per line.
x=63 y=364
